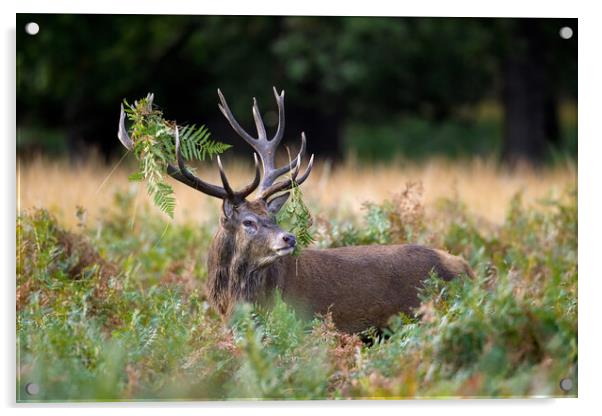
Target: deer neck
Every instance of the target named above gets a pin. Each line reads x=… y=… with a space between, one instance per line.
x=232 y=277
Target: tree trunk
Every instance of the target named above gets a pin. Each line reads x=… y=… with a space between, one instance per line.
x=530 y=108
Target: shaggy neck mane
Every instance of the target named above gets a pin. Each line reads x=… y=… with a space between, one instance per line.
x=232 y=278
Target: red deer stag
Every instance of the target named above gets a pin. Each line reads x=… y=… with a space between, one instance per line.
x=250 y=255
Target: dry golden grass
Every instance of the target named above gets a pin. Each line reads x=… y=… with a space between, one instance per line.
x=485 y=188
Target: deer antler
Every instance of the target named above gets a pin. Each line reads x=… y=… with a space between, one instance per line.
x=183 y=174
x=267 y=148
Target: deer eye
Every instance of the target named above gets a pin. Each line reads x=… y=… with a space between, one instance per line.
x=250 y=224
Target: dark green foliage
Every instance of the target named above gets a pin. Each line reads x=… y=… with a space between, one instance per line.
x=420 y=81
x=118 y=312
x=415 y=138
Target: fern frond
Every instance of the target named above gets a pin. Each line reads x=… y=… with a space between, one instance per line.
x=196 y=143
x=297 y=218
x=154 y=147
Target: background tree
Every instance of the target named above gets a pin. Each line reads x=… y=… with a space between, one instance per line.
x=538 y=69
x=337 y=71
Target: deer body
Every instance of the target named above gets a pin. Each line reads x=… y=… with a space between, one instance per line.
x=361 y=286
x=250 y=257
x=364 y=286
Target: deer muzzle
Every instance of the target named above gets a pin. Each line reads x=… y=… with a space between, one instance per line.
x=286 y=244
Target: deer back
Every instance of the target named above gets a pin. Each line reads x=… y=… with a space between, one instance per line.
x=364 y=286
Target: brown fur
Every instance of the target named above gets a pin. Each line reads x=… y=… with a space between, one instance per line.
x=361 y=286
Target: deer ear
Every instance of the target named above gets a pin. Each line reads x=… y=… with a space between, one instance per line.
x=228 y=208
x=276 y=203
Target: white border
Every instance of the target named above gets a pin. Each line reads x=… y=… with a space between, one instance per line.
x=510 y=8
x=590 y=207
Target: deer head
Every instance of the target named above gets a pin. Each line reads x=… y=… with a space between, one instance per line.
x=250 y=225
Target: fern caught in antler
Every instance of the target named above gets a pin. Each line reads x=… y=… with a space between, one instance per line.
x=161 y=147
x=296 y=217
x=152 y=140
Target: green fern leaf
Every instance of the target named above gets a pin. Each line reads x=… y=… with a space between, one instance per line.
x=154 y=147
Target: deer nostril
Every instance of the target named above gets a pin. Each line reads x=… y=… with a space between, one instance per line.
x=289 y=239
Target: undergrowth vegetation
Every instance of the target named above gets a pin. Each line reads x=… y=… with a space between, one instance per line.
x=117 y=310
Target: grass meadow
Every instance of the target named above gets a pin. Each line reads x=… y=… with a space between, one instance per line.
x=111 y=302
x=483 y=187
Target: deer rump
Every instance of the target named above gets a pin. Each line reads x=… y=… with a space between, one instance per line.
x=250 y=256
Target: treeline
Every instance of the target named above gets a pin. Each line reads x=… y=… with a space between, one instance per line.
x=335 y=70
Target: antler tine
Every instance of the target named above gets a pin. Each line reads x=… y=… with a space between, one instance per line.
x=295 y=172
x=222 y=175
x=286 y=168
x=285 y=185
x=246 y=191
x=122 y=133
x=264 y=148
x=223 y=106
x=305 y=175
x=190 y=178
x=261 y=134
x=267 y=148
x=280 y=132
x=243 y=193
x=261 y=145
